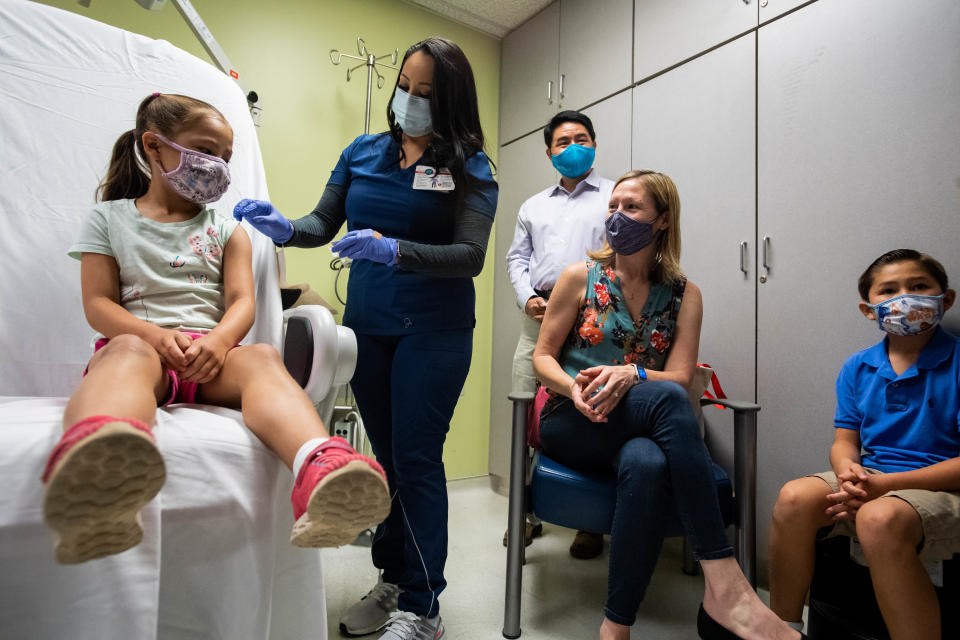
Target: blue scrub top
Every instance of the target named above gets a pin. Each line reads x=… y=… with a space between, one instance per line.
x=908 y=421
x=388 y=300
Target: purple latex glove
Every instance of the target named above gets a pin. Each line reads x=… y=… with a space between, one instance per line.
x=366 y=244
x=265 y=218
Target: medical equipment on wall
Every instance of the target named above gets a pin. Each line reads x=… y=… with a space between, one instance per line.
x=209 y=43
x=371 y=62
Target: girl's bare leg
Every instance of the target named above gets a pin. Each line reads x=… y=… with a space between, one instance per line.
x=274 y=407
x=124 y=379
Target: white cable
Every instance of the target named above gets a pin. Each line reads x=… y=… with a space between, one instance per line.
x=417 y=547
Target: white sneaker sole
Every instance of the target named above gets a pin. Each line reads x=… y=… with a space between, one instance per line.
x=93 y=497
x=346 y=502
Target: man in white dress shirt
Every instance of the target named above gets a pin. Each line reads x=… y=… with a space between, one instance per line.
x=555 y=228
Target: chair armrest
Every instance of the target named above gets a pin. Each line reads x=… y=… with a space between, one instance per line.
x=522 y=396
x=319 y=354
x=744 y=480
x=736 y=405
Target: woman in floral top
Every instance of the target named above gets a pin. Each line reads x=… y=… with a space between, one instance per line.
x=617 y=348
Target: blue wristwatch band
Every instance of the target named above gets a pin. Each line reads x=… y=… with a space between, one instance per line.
x=641 y=373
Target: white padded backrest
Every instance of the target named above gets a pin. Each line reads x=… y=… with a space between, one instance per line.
x=69 y=86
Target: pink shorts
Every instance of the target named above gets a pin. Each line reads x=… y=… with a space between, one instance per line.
x=178 y=390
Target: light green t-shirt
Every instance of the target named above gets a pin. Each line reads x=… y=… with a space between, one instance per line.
x=171 y=273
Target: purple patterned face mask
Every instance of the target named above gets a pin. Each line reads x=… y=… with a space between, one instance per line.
x=199 y=177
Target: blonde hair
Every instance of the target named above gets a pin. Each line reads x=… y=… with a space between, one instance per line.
x=667 y=202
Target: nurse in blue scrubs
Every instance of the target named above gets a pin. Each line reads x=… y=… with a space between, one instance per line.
x=419 y=202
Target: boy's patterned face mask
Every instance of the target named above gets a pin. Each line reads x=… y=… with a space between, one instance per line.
x=199 y=177
x=909 y=314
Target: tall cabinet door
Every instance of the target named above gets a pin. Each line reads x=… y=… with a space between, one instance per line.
x=858 y=154
x=595 y=47
x=696 y=124
x=611 y=123
x=529 y=89
x=523 y=170
x=667 y=32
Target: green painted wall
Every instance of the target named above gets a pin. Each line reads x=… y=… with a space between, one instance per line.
x=310 y=113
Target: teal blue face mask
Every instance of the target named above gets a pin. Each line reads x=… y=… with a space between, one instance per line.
x=574 y=161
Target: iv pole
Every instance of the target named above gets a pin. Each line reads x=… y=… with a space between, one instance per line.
x=371 y=62
x=350 y=416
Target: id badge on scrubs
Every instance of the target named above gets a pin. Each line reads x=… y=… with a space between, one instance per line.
x=430 y=179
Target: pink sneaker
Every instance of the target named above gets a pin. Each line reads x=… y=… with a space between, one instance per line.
x=98 y=477
x=338 y=494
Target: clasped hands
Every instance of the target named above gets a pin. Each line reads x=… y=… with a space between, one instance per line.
x=857 y=487
x=197 y=360
x=597 y=390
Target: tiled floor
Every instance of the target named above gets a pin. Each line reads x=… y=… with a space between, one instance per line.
x=562 y=597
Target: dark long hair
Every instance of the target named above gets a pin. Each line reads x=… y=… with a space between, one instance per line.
x=457 y=134
x=128 y=175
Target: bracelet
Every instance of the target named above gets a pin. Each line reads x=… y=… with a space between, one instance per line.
x=640 y=374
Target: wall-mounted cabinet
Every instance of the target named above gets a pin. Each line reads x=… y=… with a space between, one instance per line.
x=696 y=124
x=553 y=62
x=667 y=32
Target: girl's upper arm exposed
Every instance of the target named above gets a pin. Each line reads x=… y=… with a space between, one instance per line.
x=99 y=278
x=237 y=267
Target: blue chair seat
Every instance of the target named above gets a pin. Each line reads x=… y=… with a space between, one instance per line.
x=580 y=500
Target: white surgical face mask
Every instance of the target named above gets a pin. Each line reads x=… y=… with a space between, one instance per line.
x=199 y=177
x=412 y=113
x=909 y=314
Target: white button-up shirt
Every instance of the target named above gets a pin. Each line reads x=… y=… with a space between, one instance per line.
x=555 y=228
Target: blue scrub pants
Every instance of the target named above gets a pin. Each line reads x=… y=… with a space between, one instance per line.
x=407 y=388
x=652 y=441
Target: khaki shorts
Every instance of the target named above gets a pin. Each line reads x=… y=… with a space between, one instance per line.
x=939 y=516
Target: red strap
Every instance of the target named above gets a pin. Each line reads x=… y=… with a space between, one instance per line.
x=715 y=383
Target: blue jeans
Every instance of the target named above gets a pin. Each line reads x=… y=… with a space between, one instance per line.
x=407 y=388
x=652 y=441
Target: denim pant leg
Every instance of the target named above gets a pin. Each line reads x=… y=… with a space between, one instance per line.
x=643 y=496
x=661 y=410
x=429 y=371
x=371 y=387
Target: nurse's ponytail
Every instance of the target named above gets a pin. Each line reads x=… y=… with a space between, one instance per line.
x=128 y=175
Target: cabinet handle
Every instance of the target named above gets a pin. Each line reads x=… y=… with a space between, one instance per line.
x=562 y=78
x=743 y=257
x=766 y=252
x=550 y=91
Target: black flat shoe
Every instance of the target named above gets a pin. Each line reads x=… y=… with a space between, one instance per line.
x=710 y=629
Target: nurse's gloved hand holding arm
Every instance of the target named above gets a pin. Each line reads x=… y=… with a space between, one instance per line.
x=265 y=218
x=313 y=230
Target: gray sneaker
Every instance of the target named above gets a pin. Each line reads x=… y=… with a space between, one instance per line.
x=372 y=612
x=409 y=626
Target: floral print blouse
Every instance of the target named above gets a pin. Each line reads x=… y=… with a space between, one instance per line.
x=605 y=333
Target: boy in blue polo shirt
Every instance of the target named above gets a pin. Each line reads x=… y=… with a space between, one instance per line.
x=899 y=403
